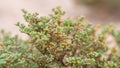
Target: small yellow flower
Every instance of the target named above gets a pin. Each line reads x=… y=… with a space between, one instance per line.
x=106 y=67
x=73 y=62
x=37 y=36
x=68 y=46
x=90 y=53
x=67 y=59
x=110 y=30
x=105 y=46
x=0 y=43
x=78 y=62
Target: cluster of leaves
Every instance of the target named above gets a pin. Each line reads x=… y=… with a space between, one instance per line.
x=56 y=43
x=14 y=52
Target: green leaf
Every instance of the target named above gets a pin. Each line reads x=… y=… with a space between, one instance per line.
x=68 y=22
x=44 y=37
x=2 y=61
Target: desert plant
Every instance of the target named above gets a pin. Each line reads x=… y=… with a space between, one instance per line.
x=56 y=43
x=13 y=52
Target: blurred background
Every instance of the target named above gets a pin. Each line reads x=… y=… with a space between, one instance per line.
x=95 y=11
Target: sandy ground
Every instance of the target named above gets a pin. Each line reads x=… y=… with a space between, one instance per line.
x=10 y=12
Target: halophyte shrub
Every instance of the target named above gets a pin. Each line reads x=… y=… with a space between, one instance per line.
x=56 y=42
